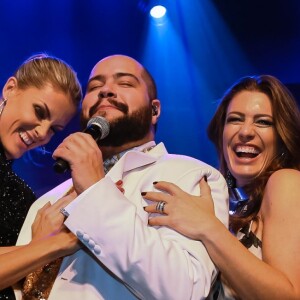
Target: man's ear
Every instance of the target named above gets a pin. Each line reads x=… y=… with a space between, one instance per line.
x=10 y=85
x=155 y=110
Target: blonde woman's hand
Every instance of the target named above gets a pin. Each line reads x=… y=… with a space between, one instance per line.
x=66 y=241
x=49 y=220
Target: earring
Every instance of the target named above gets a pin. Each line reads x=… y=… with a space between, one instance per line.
x=154 y=110
x=230 y=179
x=3 y=103
x=237 y=196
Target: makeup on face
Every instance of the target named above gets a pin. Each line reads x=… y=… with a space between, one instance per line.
x=249 y=137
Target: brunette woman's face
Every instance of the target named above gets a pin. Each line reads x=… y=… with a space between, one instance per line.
x=249 y=136
x=31 y=117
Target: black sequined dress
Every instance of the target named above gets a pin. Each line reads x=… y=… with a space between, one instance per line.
x=15 y=199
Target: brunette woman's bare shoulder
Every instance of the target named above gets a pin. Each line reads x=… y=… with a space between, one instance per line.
x=282 y=191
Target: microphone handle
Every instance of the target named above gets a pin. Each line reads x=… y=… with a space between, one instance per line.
x=60 y=165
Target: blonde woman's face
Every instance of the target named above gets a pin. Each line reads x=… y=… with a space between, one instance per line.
x=249 y=136
x=31 y=117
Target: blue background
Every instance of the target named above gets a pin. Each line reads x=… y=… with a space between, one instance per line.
x=198 y=50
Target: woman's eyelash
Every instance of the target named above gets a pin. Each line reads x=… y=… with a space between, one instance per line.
x=265 y=122
x=39 y=112
x=233 y=119
x=54 y=130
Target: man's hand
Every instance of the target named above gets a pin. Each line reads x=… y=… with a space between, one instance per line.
x=85 y=159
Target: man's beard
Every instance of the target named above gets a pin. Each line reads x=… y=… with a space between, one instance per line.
x=128 y=128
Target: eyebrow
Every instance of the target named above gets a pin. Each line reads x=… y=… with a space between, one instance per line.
x=120 y=74
x=97 y=78
x=256 y=115
x=264 y=115
x=115 y=76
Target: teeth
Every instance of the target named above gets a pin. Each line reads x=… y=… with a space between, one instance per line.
x=246 y=149
x=25 y=138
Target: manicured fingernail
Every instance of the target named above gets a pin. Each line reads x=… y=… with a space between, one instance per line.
x=205 y=178
x=119 y=182
x=122 y=190
x=143 y=193
x=155 y=182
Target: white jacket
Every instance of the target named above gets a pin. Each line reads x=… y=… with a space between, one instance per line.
x=125 y=258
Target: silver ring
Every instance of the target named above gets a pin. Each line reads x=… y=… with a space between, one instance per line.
x=160 y=206
x=64 y=212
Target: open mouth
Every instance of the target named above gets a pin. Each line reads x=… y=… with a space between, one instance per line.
x=246 y=151
x=25 y=138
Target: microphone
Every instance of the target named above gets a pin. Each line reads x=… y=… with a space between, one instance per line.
x=98 y=128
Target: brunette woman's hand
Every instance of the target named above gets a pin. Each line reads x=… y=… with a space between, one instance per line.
x=190 y=215
x=119 y=185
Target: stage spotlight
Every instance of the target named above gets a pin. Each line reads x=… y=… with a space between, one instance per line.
x=158 y=11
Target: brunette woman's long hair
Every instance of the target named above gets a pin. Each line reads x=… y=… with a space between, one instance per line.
x=286 y=117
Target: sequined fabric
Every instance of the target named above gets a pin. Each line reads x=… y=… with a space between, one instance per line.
x=15 y=199
x=38 y=284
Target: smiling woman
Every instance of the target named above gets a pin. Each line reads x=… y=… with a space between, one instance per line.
x=256 y=130
x=38 y=100
x=249 y=136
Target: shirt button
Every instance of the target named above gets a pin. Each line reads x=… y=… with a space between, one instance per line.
x=91 y=243
x=85 y=237
x=79 y=233
x=97 y=249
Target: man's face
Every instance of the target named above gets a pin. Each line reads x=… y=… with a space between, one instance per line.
x=117 y=91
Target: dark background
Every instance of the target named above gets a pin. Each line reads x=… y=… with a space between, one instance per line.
x=199 y=50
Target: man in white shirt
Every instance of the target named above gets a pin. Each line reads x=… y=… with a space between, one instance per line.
x=123 y=257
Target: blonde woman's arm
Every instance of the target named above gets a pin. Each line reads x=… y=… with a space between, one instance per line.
x=51 y=240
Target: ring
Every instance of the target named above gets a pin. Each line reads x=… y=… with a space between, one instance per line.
x=64 y=212
x=160 y=206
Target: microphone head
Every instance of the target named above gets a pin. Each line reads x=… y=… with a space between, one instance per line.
x=102 y=123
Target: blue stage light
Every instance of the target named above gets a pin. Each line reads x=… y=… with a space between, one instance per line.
x=158 y=11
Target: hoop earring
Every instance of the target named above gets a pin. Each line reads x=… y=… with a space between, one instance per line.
x=3 y=103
